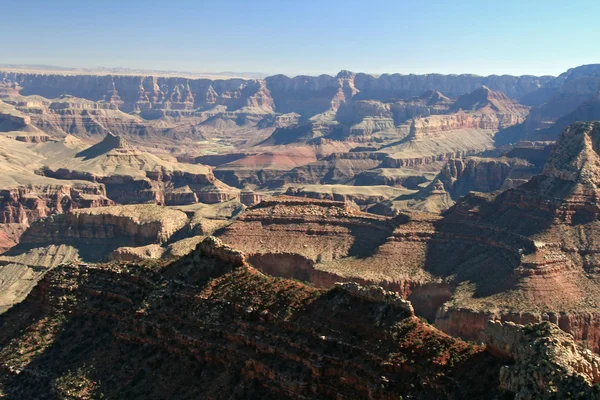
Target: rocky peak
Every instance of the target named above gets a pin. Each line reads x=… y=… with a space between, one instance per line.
x=432 y=97
x=575 y=157
x=111 y=142
x=345 y=74
x=483 y=98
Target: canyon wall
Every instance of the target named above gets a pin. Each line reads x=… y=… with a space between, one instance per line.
x=98 y=231
x=25 y=204
x=302 y=94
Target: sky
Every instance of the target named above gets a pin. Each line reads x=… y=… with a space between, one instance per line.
x=537 y=37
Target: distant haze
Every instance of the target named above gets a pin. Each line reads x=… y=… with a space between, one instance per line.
x=266 y=37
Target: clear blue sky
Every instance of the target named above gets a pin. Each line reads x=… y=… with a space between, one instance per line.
x=305 y=36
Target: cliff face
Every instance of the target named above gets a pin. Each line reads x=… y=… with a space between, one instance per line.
x=457 y=178
x=135 y=225
x=143 y=93
x=360 y=104
x=26 y=204
x=461 y=176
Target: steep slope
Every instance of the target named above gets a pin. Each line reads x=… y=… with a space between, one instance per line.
x=84 y=234
x=211 y=326
x=240 y=334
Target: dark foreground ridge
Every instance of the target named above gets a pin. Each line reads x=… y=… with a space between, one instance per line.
x=211 y=326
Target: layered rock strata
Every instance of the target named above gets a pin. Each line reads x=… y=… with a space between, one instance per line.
x=211 y=326
x=133 y=176
x=315 y=229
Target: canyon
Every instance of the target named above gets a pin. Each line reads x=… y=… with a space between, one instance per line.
x=349 y=236
x=244 y=334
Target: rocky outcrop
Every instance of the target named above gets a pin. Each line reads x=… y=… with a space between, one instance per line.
x=461 y=176
x=95 y=232
x=250 y=198
x=149 y=252
x=376 y=294
x=547 y=361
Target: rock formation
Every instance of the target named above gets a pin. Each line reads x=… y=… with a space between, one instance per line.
x=525 y=254
x=547 y=362
x=211 y=326
x=457 y=178
x=314 y=229
x=133 y=176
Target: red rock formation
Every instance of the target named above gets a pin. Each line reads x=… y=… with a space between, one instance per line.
x=5 y=242
x=202 y=324
x=24 y=205
x=316 y=229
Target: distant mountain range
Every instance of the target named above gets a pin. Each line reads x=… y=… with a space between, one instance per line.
x=42 y=68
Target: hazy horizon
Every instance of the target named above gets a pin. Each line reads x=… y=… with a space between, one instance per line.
x=121 y=69
x=270 y=37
